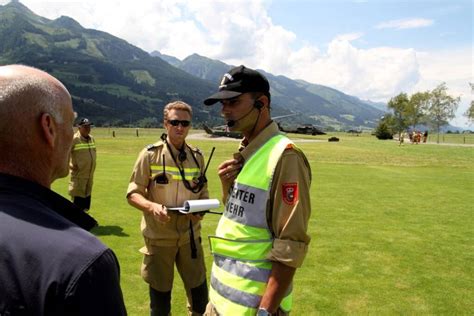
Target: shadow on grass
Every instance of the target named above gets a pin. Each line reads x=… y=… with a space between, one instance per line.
x=109 y=230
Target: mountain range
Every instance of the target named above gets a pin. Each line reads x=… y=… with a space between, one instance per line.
x=115 y=83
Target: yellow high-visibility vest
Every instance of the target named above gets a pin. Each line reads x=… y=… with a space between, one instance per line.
x=241 y=270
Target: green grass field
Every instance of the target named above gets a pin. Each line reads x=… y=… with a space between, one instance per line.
x=392 y=227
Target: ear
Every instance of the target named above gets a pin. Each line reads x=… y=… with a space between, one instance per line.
x=48 y=128
x=258 y=104
x=264 y=101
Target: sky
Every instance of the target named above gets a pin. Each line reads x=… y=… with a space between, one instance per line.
x=372 y=49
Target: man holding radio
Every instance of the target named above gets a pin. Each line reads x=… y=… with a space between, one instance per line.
x=166 y=174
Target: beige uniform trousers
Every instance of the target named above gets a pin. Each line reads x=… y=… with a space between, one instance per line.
x=158 y=267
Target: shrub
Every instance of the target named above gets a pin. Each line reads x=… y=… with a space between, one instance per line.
x=383 y=131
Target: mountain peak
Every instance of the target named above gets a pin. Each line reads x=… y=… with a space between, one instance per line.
x=19 y=8
x=197 y=57
x=169 y=59
x=67 y=22
x=17 y=5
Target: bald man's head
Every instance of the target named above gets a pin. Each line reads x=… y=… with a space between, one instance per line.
x=35 y=109
x=29 y=90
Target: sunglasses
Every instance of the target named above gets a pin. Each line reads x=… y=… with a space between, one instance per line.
x=183 y=123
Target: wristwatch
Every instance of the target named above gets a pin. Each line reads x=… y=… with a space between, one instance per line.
x=263 y=312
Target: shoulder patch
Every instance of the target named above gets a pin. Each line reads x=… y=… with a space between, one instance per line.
x=151 y=147
x=289 y=192
x=195 y=150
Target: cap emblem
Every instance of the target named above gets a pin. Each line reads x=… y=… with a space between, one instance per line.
x=226 y=76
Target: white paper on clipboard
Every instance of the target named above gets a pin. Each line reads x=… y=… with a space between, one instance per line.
x=193 y=206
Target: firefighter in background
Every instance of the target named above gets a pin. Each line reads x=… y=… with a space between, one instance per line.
x=82 y=165
x=166 y=174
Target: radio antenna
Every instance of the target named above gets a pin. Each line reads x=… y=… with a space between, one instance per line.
x=209 y=160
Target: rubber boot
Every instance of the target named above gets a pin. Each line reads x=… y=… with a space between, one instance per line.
x=200 y=298
x=160 y=303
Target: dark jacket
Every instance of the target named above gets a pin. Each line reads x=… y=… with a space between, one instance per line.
x=49 y=265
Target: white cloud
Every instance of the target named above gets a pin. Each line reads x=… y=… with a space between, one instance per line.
x=376 y=73
x=349 y=36
x=405 y=24
x=453 y=66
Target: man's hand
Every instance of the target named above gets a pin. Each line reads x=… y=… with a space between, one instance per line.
x=160 y=213
x=228 y=171
x=278 y=283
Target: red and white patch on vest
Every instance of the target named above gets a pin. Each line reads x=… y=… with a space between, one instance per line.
x=290 y=193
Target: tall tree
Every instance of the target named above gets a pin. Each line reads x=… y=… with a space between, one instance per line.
x=384 y=129
x=400 y=105
x=470 y=111
x=442 y=107
x=419 y=104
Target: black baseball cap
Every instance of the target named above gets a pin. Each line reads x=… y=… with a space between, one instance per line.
x=85 y=122
x=237 y=81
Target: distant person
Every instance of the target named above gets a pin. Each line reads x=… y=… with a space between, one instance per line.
x=165 y=175
x=82 y=165
x=425 y=136
x=49 y=263
x=402 y=138
x=261 y=238
x=417 y=137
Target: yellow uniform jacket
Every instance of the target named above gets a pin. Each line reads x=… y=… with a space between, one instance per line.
x=82 y=165
x=148 y=166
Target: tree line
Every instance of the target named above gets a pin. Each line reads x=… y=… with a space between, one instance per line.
x=433 y=108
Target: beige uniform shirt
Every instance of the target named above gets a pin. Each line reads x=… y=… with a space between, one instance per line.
x=288 y=215
x=149 y=165
x=82 y=165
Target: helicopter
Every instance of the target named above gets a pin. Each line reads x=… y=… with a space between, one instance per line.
x=308 y=129
x=223 y=130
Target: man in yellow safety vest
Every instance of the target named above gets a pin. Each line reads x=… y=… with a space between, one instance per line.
x=261 y=239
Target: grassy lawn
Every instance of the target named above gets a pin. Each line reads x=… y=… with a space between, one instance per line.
x=392 y=227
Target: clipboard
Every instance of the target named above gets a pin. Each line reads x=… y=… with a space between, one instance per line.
x=196 y=206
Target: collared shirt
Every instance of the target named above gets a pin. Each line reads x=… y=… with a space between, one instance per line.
x=48 y=264
x=148 y=167
x=287 y=218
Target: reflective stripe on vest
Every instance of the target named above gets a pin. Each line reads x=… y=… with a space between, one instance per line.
x=243 y=239
x=258 y=271
x=247 y=250
x=81 y=146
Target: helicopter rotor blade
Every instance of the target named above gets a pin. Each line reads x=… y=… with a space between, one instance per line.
x=282 y=116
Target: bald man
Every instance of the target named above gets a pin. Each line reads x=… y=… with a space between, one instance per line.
x=49 y=263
